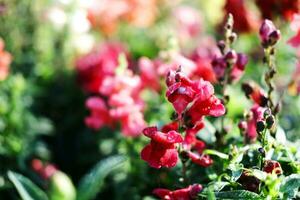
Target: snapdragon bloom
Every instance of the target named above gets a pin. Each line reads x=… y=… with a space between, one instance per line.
x=5 y=60
x=99 y=113
x=161 y=152
x=95 y=66
x=254 y=92
x=272 y=166
x=205 y=104
x=188 y=193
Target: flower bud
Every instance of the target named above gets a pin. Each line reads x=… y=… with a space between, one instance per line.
x=61 y=187
x=267 y=113
x=195 y=189
x=231 y=57
x=270 y=121
x=242 y=61
x=262 y=151
x=272 y=166
x=242 y=125
x=221 y=45
x=274 y=37
x=260 y=126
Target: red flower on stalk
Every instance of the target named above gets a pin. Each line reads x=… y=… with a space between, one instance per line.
x=181 y=91
x=161 y=152
x=205 y=104
x=188 y=193
x=5 y=60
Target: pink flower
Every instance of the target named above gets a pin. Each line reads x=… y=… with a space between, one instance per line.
x=149 y=74
x=206 y=104
x=256 y=114
x=95 y=66
x=5 y=60
x=188 y=193
x=295 y=26
x=161 y=152
x=99 y=113
x=188 y=22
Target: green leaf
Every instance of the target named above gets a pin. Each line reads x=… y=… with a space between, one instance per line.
x=92 y=182
x=259 y=174
x=216 y=153
x=237 y=195
x=25 y=187
x=290 y=184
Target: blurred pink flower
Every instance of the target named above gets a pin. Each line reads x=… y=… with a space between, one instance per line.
x=5 y=60
x=95 y=66
x=189 y=22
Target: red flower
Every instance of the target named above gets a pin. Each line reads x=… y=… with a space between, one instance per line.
x=272 y=166
x=99 y=116
x=206 y=104
x=173 y=126
x=202 y=160
x=255 y=93
x=243 y=20
x=188 y=193
x=181 y=91
x=285 y=8
x=94 y=67
x=161 y=152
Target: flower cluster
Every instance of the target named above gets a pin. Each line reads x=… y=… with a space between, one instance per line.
x=192 y=101
x=117 y=87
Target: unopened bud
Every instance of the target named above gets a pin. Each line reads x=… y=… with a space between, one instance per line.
x=270 y=121
x=242 y=125
x=221 y=45
x=231 y=57
x=260 y=126
x=274 y=37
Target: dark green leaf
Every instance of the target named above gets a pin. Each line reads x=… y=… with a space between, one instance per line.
x=290 y=184
x=92 y=182
x=237 y=195
x=26 y=188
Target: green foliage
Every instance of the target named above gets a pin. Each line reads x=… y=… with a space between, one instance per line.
x=26 y=188
x=92 y=182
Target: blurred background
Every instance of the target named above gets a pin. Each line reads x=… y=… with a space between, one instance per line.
x=80 y=79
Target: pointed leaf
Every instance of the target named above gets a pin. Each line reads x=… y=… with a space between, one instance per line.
x=25 y=187
x=92 y=182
